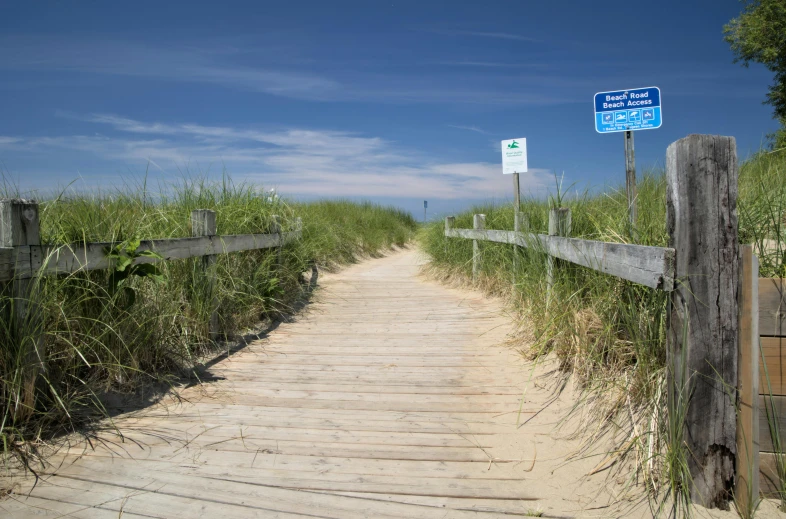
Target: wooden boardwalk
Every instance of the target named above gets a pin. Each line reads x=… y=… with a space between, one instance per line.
x=388 y=397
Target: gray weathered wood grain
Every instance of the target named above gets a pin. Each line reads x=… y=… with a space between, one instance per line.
x=559 y=226
x=48 y=259
x=649 y=266
x=701 y=198
x=7 y=261
x=203 y=223
x=20 y=229
x=479 y=222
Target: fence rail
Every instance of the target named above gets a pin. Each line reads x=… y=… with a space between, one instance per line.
x=32 y=260
x=22 y=257
x=701 y=265
x=646 y=265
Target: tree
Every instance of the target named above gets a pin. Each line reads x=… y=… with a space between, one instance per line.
x=759 y=35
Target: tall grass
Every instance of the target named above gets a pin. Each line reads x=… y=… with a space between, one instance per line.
x=607 y=333
x=100 y=341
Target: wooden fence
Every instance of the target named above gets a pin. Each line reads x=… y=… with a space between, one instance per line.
x=772 y=380
x=23 y=257
x=714 y=306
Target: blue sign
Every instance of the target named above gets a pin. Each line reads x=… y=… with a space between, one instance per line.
x=624 y=110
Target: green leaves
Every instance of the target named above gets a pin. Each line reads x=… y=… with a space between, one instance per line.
x=759 y=35
x=124 y=256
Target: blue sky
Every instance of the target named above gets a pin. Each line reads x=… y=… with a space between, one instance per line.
x=394 y=101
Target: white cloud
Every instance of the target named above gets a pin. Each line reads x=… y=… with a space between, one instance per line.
x=490 y=64
x=268 y=73
x=187 y=64
x=298 y=161
x=486 y=34
x=468 y=128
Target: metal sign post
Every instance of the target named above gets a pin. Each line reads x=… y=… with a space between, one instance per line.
x=425 y=206
x=626 y=111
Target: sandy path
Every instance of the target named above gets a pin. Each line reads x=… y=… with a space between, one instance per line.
x=389 y=396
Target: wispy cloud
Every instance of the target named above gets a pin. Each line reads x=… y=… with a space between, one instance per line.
x=188 y=64
x=265 y=72
x=468 y=128
x=490 y=64
x=497 y=35
x=486 y=34
x=299 y=161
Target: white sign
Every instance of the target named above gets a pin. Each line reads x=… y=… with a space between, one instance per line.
x=514 y=156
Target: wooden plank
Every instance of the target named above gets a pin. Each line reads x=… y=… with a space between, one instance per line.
x=187 y=431
x=118 y=471
x=188 y=496
x=746 y=489
x=702 y=352
x=324 y=449
x=483 y=235
x=769 y=480
x=419 y=405
x=772 y=307
x=257 y=466
x=308 y=421
x=772 y=371
x=7 y=262
x=161 y=501
x=771 y=409
x=649 y=266
x=48 y=259
x=65 y=505
x=646 y=265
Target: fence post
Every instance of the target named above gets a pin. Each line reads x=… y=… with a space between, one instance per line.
x=450 y=221
x=520 y=224
x=276 y=229
x=746 y=490
x=559 y=225
x=479 y=223
x=701 y=207
x=203 y=223
x=20 y=227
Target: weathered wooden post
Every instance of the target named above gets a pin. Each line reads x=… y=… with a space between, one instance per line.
x=701 y=199
x=559 y=225
x=203 y=223
x=450 y=221
x=746 y=489
x=276 y=229
x=520 y=224
x=479 y=223
x=20 y=228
